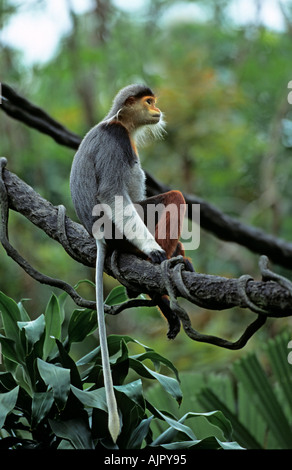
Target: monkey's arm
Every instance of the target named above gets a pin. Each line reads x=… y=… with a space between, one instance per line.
x=122 y=212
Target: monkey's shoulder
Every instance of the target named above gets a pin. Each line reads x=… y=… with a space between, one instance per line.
x=106 y=147
x=117 y=137
x=114 y=128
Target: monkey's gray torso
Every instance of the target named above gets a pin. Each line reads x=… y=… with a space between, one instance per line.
x=105 y=165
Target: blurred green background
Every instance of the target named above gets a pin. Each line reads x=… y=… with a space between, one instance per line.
x=221 y=71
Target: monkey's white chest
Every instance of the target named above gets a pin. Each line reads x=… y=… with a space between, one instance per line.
x=136 y=183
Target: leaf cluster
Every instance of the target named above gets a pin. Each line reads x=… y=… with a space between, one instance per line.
x=257 y=404
x=50 y=400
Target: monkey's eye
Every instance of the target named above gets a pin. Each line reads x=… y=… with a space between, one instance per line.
x=149 y=101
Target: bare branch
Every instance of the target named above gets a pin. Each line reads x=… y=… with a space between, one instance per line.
x=21 y=109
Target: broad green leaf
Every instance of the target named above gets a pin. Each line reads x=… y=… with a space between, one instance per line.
x=112 y=339
x=81 y=324
x=156 y=359
x=208 y=443
x=115 y=344
x=89 y=358
x=53 y=320
x=229 y=445
x=175 y=427
x=57 y=379
x=172 y=437
x=7 y=404
x=75 y=431
x=7 y=381
x=62 y=298
x=139 y=434
x=117 y=296
x=91 y=398
x=201 y=444
x=65 y=445
x=216 y=418
x=119 y=353
x=169 y=384
x=8 y=349
x=116 y=347
x=34 y=329
x=68 y=363
x=210 y=400
x=24 y=315
x=10 y=316
x=23 y=379
x=134 y=391
x=85 y=281
x=41 y=406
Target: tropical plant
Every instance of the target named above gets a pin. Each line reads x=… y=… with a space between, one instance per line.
x=257 y=404
x=49 y=400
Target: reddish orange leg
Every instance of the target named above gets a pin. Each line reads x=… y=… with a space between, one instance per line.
x=168 y=223
x=168 y=227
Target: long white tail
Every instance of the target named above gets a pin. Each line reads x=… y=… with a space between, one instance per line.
x=113 y=416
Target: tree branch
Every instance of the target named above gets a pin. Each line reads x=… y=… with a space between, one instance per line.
x=211 y=218
x=21 y=109
x=271 y=297
x=268 y=298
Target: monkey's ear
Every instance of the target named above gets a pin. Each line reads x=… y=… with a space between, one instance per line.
x=129 y=101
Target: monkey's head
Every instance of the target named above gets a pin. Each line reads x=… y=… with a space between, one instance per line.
x=135 y=106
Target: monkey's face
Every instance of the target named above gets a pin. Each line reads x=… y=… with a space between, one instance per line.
x=142 y=111
x=149 y=110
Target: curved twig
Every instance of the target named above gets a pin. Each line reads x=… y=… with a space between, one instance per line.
x=186 y=322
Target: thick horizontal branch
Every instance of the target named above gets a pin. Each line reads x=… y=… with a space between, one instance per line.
x=212 y=292
x=23 y=199
x=209 y=291
x=211 y=219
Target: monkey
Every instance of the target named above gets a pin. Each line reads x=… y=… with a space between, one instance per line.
x=106 y=167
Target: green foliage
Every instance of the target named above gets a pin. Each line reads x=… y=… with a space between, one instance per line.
x=49 y=400
x=257 y=405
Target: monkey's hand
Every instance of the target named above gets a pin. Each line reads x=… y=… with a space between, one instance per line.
x=157 y=256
